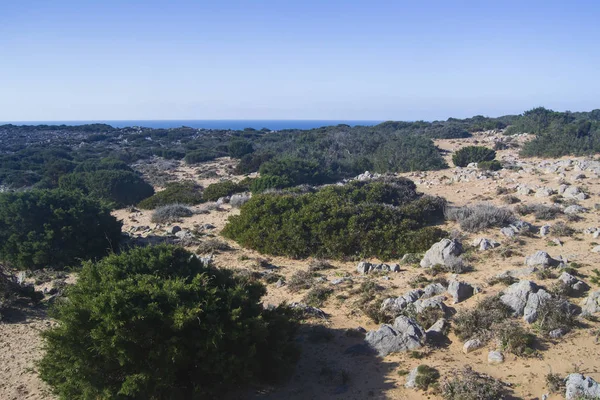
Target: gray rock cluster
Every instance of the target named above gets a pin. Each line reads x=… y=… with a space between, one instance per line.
x=366 y=267
x=443 y=252
x=460 y=290
x=516 y=228
x=403 y=335
x=572 y=192
x=484 y=244
x=576 y=286
x=581 y=387
x=591 y=304
x=541 y=259
x=524 y=298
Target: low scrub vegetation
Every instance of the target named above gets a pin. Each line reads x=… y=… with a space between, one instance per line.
x=480 y=216
x=54 y=228
x=360 y=219
x=470 y=385
x=171 y=213
x=186 y=192
x=426 y=377
x=215 y=191
x=541 y=211
x=156 y=323
x=479 y=321
x=472 y=154
x=493 y=165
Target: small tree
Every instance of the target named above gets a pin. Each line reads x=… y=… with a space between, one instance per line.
x=472 y=154
x=54 y=228
x=156 y=323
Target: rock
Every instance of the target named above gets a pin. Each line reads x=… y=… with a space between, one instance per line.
x=580 y=387
x=363 y=268
x=411 y=379
x=485 y=244
x=432 y=302
x=574 y=210
x=173 y=230
x=309 y=310
x=534 y=301
x=573 y=192
x=541 y=259
x=405 y=334
x=440 y=252
x=524 y=190
x=437 y=331
x=495 y=357
x=433 y=289
x=472 y=345
x=508 y=232
x=208 y=226
x=238 y=200
x=223 y=200
x=557 y=333
x=460 y=291
x=596 y=249
x=515 y=296
x=545 y=230
x=516 y=228
x=575 y=285
x=578 y=177
x=395 y=305
x=544 y=192
x=591 y=304
x=280 y=283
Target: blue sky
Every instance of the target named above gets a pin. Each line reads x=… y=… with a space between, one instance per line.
x=380 y=60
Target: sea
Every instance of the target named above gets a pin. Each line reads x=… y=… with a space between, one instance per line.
x=234 y=124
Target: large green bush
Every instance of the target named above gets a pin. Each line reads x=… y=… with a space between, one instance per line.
x=156 y=323
x=120 y=188
x=54 y=228
x=214 y=191
x=239 y=148
x=472 y=154
x=186 y=192
x=376 y=219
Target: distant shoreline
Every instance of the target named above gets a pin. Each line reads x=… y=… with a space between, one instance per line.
x=232 y=124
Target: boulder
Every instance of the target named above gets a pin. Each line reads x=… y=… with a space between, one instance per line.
x=432 y=302
x=223 y=200
x=495 y=357
x=472 y=345
x=591 y=304
x=433 y=289
x=515 y=296
x=557 y=333
x=411 y=378
x=544 y=192
x=541 y=259
x=574 y=210
x=440 y=252
x=173 y=229
x=395 y=305
x=524 y=190
x=573 y=192
x=403 y=335
x=460 y=290
x=534 y=301
x=576 y=286
x=437 y=331
x=578 y=386
x=485 y=244
x=545 y=230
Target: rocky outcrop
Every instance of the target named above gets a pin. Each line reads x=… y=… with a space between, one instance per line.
x=460 y=290
x=365 y=267
x=575 y=210
x=591 y=304
x=495 y=357
x=441 y=252
x=403 y=335
x=581 y=387
x=485 y=244
x=472 y=345
x=574 y=285
x=541 y=259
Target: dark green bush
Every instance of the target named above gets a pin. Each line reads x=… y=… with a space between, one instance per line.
x=186 y=192
x=472 y=154
x=286 y=172
x=214 y=191
x=199 y=156
x=54 y=228
x=239 y=148
x=119 y=187
x=359 y=219
x=426 y=376
x=155 y=323
x=493 y=165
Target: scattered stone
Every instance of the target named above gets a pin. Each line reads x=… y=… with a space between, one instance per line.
x=460 y=290
x=472 y=345
x=544 y=192
x=441 y=252
x=576 y=286
x=495 y=357
x=581 y=387
x=309 y=310
x=573 y=192
x=173 y=230
x=541 y=259
x=574 y=210
x=545 y=230
x=364 y=267
x=405 y=334
x=432 y=302
x=557 y=333
x=524 y=190
x=485 y=244
x=433 y=289
x=591 y=304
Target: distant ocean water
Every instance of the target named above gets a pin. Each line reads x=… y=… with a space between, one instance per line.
x=235 y=124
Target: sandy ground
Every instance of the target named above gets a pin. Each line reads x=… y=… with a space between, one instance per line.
x=325 y=369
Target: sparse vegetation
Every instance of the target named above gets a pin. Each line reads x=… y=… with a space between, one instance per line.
x=472 y=154
x=215 y=191
x=555 y=313
x=480 y=216
x=480 y=320
x=186 y=192
x=426 y=377
x=470 y=385
x=211 y=246
x=317 y=296
x=541 y=211
x=561 y=229
x=513 y=338
x=171 y=213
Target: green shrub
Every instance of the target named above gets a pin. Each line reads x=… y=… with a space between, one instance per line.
x=266 y=182
x=186 y=192
x=155 y=323
x=514 y=338
x=426 y=376
x=199 y=156
x=215 y=191
x=239 y=148
x=356 y=220
x=54 y=228
x=493 y=165
x=470 y=385
x=478 y=321
x=317 y=296
x=472 y=154
x=171 y=213
x=121 y=188
x=286 y=172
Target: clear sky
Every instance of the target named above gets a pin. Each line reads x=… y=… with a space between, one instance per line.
x=288 y=59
